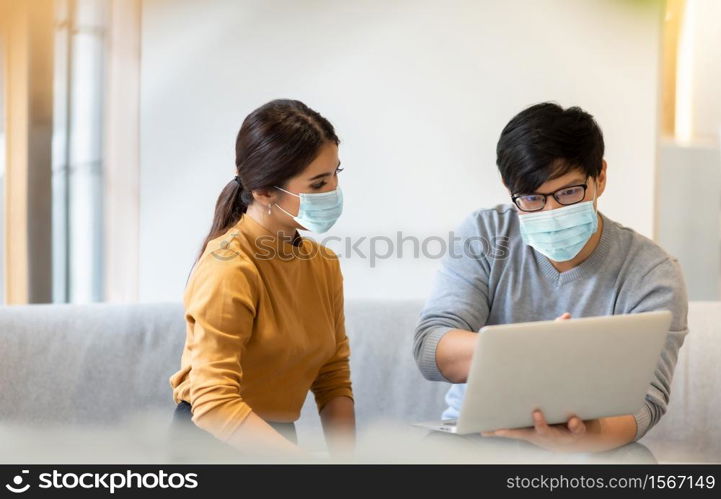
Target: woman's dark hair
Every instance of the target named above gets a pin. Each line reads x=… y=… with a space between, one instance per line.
x=276 y=142
x=545 y=142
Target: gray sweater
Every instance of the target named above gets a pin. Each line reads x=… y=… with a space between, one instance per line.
x=490 y=276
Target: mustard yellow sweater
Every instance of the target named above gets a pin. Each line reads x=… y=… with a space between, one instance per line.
x=265 y=324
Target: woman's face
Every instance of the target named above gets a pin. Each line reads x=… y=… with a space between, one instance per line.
x=320 y=176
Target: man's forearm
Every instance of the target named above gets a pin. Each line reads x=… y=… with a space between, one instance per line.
x=609 y=433
x=454 y=353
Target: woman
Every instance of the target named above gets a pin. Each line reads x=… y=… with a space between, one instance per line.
x=263 y=305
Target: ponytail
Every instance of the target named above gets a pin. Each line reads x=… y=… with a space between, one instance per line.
x=230 y=206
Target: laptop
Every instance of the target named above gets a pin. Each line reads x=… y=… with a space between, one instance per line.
x=590 y=367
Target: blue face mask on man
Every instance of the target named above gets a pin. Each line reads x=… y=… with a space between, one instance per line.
x=561 y=233
x=317 y=211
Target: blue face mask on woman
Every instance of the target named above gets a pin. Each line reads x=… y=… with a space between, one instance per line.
x=561 y=233
x=317 y=211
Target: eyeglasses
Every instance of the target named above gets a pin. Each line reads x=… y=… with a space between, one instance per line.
x=568 y=195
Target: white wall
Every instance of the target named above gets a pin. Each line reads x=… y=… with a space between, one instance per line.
x=418 y=91
x=689 y=221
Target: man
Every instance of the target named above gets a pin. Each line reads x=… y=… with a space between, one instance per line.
x=550 y=254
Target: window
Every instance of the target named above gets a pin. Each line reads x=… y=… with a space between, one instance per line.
x=2 y=175
x=77 y=210
x=67 y=196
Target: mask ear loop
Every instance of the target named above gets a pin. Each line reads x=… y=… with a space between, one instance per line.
x=279 y=207
x=291 y=193
x=595 y=191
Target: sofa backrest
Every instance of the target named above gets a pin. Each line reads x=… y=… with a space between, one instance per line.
x=87 y=363
x=99 y=363
x=695 y=405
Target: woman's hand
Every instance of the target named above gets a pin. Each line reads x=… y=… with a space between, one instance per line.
x=256 y=438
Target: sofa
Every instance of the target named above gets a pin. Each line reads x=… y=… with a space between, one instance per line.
x=95 y=365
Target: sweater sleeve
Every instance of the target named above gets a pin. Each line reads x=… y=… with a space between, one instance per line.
x=333 y=379
x=662 y=288
x=458 y=299
x=221 y=306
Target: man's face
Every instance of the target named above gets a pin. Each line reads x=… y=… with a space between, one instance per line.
x=563 y=187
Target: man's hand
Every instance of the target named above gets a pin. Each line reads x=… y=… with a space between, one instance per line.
x=594 y=435
x=573 y=436
x=563 y=316
x=567 y=437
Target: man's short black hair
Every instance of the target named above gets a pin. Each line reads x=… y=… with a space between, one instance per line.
x=545 y=142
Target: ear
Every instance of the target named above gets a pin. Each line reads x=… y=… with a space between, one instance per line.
x=507 y=189
x=601 y=180
x=264 y=197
